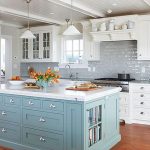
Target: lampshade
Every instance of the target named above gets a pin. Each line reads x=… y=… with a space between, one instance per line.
x=27 y=35
x=71 y=30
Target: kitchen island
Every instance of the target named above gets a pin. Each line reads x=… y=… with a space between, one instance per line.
x=59 y=119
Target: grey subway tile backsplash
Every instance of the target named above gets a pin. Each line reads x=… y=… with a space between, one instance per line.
x=115 y=57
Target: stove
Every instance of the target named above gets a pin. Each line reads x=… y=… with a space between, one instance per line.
x=114 y=82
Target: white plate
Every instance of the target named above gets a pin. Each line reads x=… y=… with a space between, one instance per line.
x=16 y=82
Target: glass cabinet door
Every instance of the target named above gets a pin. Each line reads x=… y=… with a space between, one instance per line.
x=25 y=48
x=36 y=47
x=46 y=45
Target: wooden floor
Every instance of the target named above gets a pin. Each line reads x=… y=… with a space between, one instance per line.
x=133 y=137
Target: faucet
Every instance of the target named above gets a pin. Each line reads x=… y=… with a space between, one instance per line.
x=70 y=73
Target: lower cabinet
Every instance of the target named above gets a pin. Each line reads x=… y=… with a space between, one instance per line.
x=51 y=124
x=42 y=140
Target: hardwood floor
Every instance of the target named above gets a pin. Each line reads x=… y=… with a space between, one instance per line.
x=134 y=137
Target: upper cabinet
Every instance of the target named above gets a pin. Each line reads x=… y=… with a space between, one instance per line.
x=43 y=47
x=143 y=44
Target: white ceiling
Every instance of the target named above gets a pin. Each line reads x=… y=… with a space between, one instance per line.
x=15 y=11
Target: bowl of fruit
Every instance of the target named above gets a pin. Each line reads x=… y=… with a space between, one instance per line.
x=16 y=80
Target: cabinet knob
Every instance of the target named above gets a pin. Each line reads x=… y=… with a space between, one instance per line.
x=52 y=106
x=4 y=113
x=42 y=119
x=141 y=113
x=142 y=103
x=42 y=139
x=4 y=130
x=142 y=95
x=140 y=55
x=31 y=103
x=11 y=100
x=142 y=88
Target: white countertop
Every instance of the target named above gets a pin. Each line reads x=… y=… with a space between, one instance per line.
x=59 y=92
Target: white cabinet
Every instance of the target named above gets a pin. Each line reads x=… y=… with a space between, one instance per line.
x=124 y=106
x=143 y=40
x=42 y=48
x=140 y=103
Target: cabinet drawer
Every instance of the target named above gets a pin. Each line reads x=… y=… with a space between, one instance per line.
x=12 y=100
x=141 y=96
x=142 y=114
x=10 y=114
x=43 y=120
x=141 y=88
x=42 y=140
x=142 y=103
x=53 y=106
x=32 y=103
x=10 y=132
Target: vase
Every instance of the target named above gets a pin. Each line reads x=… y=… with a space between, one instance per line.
x=42 y=84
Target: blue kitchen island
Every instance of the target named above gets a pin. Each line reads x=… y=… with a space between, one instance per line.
x=59 y=119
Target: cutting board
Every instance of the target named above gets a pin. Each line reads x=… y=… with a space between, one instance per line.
x=82 y=89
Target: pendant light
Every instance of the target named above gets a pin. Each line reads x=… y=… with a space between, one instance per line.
x=71 y=30
x=28 y=34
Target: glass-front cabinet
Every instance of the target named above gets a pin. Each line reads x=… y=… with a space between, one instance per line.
x=38 y=49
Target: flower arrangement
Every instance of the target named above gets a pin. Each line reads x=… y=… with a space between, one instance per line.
x=43 y=79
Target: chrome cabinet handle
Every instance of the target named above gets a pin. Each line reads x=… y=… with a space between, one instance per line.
x=142 y=88
x=42 y=120
x=31 y=103
x=11 y=100
x=4 y=113
x=142 y=103
x=4 y=130
x=42 y=139
x=142 y=95
x=142 y=113
x=52 y=106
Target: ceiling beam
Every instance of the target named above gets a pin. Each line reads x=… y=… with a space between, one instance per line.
x=79 y=8
x=25 y=15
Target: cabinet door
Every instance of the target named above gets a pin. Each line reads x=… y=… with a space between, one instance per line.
x=46 y=45
x=94 y=124
x=144 y=40
x=112 y=117
x=74 y=127
x=36 y=47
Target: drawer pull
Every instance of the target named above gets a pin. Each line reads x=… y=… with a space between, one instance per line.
x=42 y=139
x=11 y=101
x=4 y=113
x=142 y=103
x=4 y=130
x=52 y=106
x=42 y=120
x=142 y=95
x=142 y=113
x=142 y=88
x=31 y=103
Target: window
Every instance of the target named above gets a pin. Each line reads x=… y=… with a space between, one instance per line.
x=73 y=49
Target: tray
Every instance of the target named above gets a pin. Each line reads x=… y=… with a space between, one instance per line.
x=82 y=89
x=32 y=87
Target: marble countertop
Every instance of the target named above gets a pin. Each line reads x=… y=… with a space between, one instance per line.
x=59 y=92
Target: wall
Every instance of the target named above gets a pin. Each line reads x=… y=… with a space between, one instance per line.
x=14 y=33
x=116 y=57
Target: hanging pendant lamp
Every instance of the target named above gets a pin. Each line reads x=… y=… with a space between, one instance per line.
x=71 y=30
x=28 y=34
